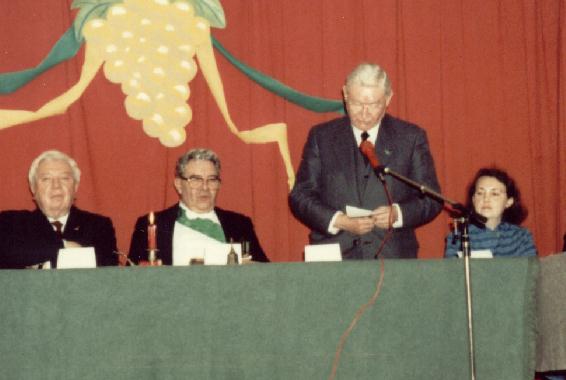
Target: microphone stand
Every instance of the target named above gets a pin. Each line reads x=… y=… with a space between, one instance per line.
x=463 y=220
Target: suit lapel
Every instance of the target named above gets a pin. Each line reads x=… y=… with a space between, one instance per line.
x=166 y=227
x=73 y=225
x=385 y=145
x=227 y=227
x=42 y=226
x=345 y=153
x=43 y=231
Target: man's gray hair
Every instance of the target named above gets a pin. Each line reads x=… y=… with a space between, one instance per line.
x=196 y=154
x=369 y=74
x=53 y=155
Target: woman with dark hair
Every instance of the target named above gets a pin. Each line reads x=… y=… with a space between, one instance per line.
x=494 y=195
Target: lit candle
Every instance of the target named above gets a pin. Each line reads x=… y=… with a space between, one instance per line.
x=151 y=232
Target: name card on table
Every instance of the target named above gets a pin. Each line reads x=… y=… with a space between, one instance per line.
x=323 y=252
x=479 y=254
x=210 y=253
x=82 y=257
x=217 y=254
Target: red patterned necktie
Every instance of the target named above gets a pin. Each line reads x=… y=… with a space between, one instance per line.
x=365 y=142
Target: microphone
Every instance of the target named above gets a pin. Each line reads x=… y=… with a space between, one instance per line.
x=368 y=151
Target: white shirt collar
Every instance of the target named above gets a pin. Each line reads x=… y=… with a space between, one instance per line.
x=63 y=219
x=371 y=132
x=193 y=215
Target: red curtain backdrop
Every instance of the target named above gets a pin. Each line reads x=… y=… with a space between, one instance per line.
x=486 y=79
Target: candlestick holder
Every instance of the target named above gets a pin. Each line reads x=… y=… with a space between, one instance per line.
x=152 y=259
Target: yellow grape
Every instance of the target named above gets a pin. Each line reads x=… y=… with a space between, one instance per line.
x=96 y=31
x=161 y=55
x=154 y=125
x=186 y=50
x=182 y=91
x=127 y=38
x=155 y=6
x=199 y=30
x=182 y=114
x=161 y=3
x=116 y=70
x=172 y=91
x=173 y=137
x=184 y=71
x=174 y=111
x=135 y=6
x=178 y=115
x=111 y=51
x=176 y=18
x=119 y=17
x=183 y=9
x=159 y=121
x=138 y=106
x=133 y=84
x=157 y=76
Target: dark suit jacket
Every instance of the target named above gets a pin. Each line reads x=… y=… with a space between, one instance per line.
x=27 y=237
x=332 y=174
x=236 y=226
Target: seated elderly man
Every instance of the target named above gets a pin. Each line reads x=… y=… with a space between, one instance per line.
x=33 y=238
x=195 y=217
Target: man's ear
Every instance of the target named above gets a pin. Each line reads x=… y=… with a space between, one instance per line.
x=177 y=183
x=509 y=202
x=388 y=99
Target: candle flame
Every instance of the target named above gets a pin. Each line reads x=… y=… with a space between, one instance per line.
x=151 y=218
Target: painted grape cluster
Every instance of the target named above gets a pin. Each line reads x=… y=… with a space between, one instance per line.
x=148 y=47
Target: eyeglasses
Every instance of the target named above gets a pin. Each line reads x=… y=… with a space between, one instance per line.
x=196 y=182
x=371 y=107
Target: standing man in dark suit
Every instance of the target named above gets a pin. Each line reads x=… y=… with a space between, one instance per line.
x=333 y=174
x=33 y=238
x=195 y=217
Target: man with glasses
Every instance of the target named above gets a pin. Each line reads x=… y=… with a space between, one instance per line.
x=195 y=217
x=334 y=174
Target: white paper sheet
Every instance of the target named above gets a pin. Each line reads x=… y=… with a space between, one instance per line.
x=479 y=254
x=211 y=252
x=82 y=257
x=217 y=254
x=356 y=212
x=323 y=252
x=192 y=250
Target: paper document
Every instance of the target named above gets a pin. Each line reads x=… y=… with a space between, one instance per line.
x=356 y=212
x=191 y=250
x=82 y=257
x=479 y=254
x=323 y=252
x=211 y=252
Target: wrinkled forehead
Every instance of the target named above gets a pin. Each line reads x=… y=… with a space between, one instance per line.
x=204 y=168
